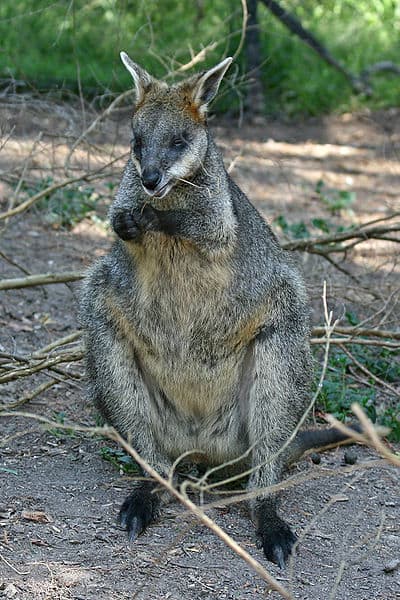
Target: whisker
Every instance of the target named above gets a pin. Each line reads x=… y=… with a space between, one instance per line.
x=188 y=182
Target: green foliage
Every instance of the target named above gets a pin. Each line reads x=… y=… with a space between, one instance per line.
x=335 y=200
x=357 y=34
x=340 y=390
x=300 y=229
x=61 y=432
x=66 y=206
x=295 y=230
x=122 y=461
x=55 y=43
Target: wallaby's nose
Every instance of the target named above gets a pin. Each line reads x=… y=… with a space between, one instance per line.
x=151 y=177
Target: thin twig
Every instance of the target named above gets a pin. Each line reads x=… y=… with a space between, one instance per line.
x=44 y=364
x=364 y=369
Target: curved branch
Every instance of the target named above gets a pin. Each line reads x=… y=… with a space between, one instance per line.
x=363 y=233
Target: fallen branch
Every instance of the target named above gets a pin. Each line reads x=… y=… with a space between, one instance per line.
x=356 y=340
x=359 y=331
x=362 y=232
x=40 y=279
x=29 y=396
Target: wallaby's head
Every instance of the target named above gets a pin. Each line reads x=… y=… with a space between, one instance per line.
x=169 y=126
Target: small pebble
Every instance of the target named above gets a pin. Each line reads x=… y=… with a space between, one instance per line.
x=392 y=565
x=316 y=458
x=350 y=457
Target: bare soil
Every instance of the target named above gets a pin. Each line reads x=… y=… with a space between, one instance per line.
x=347 y=522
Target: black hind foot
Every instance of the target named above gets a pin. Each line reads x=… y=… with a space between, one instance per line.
x=274 y=536
x=139 y=509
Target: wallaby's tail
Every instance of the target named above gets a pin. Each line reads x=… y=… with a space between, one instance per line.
x=318 y=439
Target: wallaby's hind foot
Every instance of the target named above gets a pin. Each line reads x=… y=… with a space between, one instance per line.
x=274 y=536
x=139 y=509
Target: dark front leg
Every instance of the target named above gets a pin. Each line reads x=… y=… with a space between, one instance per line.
x=203 y=230
x=130 y=224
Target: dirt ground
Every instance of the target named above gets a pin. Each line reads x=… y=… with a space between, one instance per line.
x=348 y=523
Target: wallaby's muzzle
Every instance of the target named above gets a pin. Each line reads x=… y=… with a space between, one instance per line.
x=151 y=177
x=155 y=182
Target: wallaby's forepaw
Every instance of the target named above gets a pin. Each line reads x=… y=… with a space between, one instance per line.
x=139 y=510
x=276 y=540
x=130 y=224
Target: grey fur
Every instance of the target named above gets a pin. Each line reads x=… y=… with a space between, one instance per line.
x=197 y=322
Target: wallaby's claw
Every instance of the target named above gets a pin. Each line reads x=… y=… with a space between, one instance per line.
x=277 y=542
x=139 y=510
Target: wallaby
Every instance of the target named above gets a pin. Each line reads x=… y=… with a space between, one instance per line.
x=196 y=321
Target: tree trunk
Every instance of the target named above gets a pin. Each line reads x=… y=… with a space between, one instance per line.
x=254 y=101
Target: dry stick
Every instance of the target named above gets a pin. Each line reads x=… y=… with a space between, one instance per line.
x=358 y=331
x=13 y=568
x=244 y=496
x=365 y=234
x=359 y=342
x=96 y=121
x=85 y=177
x=307 y=528
x=14 y=263
x=40 y=279
x=197 y=58
x=243 y=31
x=45 y=364
x=380 y=219
x=193 y=509
x=28 y=397
x=68 y=339
x=347 y=562
x=230 y=542
x=288 y=483
x=8 y=136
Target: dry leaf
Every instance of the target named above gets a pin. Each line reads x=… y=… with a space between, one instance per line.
x=36 y=515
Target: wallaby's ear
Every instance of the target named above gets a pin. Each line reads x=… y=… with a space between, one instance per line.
x=142 y=80
x=206 y=87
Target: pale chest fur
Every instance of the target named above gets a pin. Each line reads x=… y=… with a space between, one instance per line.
x=184 y=332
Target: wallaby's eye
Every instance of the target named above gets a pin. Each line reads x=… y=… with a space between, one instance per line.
x=178 y=142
